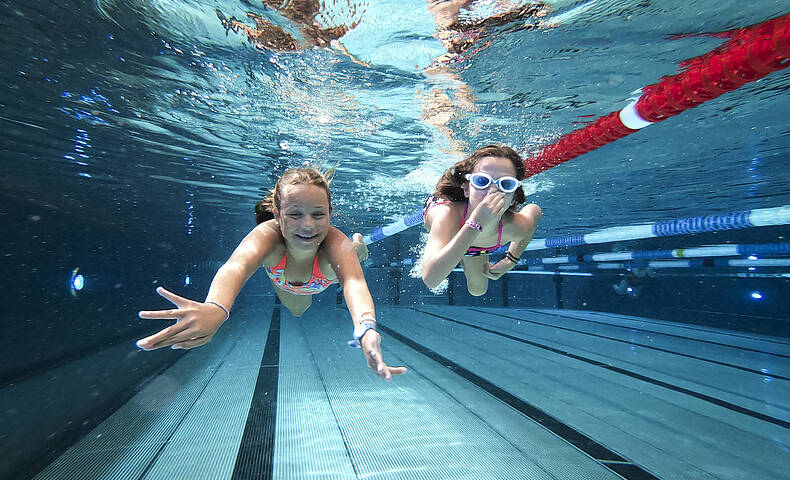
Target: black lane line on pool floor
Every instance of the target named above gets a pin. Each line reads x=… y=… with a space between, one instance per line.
x=601 y=454
x=711 y=342
x=692 y=393
x=255 y=460
x=650 y=347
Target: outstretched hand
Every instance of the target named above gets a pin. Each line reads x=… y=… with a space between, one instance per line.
x=195 y=323
x=371 y=347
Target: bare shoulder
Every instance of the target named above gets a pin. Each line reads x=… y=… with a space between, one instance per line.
x=531 y=211
x=336 y=244
x=443 y=213
x=335 y=238
x=525 y=220
x=268 y=228
x=336 y=250
x=269 y=236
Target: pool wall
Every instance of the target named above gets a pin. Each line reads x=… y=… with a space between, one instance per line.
x=70 y=360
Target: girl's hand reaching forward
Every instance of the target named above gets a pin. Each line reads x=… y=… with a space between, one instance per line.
x=195 y=323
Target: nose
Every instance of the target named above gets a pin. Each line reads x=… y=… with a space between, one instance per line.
x=306 y=224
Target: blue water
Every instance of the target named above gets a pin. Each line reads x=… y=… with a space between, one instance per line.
x=137 y=136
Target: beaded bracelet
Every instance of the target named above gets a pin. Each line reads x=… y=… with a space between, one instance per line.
x=473 y=224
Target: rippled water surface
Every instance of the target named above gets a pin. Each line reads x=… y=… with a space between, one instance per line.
x=137 y=135
x=155 y=112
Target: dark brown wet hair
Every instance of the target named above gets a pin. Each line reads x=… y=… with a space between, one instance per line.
x=292 y=176
x=450 y=186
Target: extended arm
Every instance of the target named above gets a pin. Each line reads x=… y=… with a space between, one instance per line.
x=197 y=322
x=244 y=261
x=358 y=299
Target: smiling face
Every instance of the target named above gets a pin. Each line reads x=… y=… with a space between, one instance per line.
x=496 y=167
x=303 y=216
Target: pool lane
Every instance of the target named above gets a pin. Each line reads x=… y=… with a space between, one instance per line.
x=185 y=423
x=580 y=380
x=490 y=393
x=427 y=424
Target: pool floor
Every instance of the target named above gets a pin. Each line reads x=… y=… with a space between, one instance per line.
x=491 y=393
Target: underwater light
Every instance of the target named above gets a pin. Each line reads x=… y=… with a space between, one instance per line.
x=76 y=282
x=187 y=280
x=757 y=295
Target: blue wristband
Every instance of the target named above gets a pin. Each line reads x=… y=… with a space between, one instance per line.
x=360 y=332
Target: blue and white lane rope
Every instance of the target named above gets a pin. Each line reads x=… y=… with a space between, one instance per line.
x=662 y=264
x=410 y=220
x=586 y=269
x=694 y=252
x=712 y=223
x=760 y=217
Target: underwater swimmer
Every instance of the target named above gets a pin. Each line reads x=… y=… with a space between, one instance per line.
x=476 y=203
x=301 y=253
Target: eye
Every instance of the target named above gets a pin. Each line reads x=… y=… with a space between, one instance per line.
x=508 y=184
x=295 y=215
x=480 y=181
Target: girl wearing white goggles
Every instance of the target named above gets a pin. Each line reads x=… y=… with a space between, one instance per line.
x=482 y=181
x=477 y=204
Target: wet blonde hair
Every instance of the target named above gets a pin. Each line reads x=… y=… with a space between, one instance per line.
x=293 y=176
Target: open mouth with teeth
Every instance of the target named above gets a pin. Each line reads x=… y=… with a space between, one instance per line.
x=305 y=237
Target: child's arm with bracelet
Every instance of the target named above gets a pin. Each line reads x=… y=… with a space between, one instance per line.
x=197 y=322
x=360 y=303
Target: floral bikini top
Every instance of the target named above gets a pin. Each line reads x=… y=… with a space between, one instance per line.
x=317 y=283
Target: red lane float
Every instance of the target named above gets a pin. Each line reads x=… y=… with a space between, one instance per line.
x=751 y=54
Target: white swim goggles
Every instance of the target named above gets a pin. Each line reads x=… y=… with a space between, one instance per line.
x=482 y=181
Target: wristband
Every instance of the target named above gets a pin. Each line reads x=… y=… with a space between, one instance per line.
x=511 y=257
x=227 y=312
x=472 y=224
x=359 y=331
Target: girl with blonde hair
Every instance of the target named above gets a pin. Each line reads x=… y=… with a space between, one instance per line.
x=301 y=253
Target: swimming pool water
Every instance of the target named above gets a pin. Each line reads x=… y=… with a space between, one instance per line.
x=139 y=135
